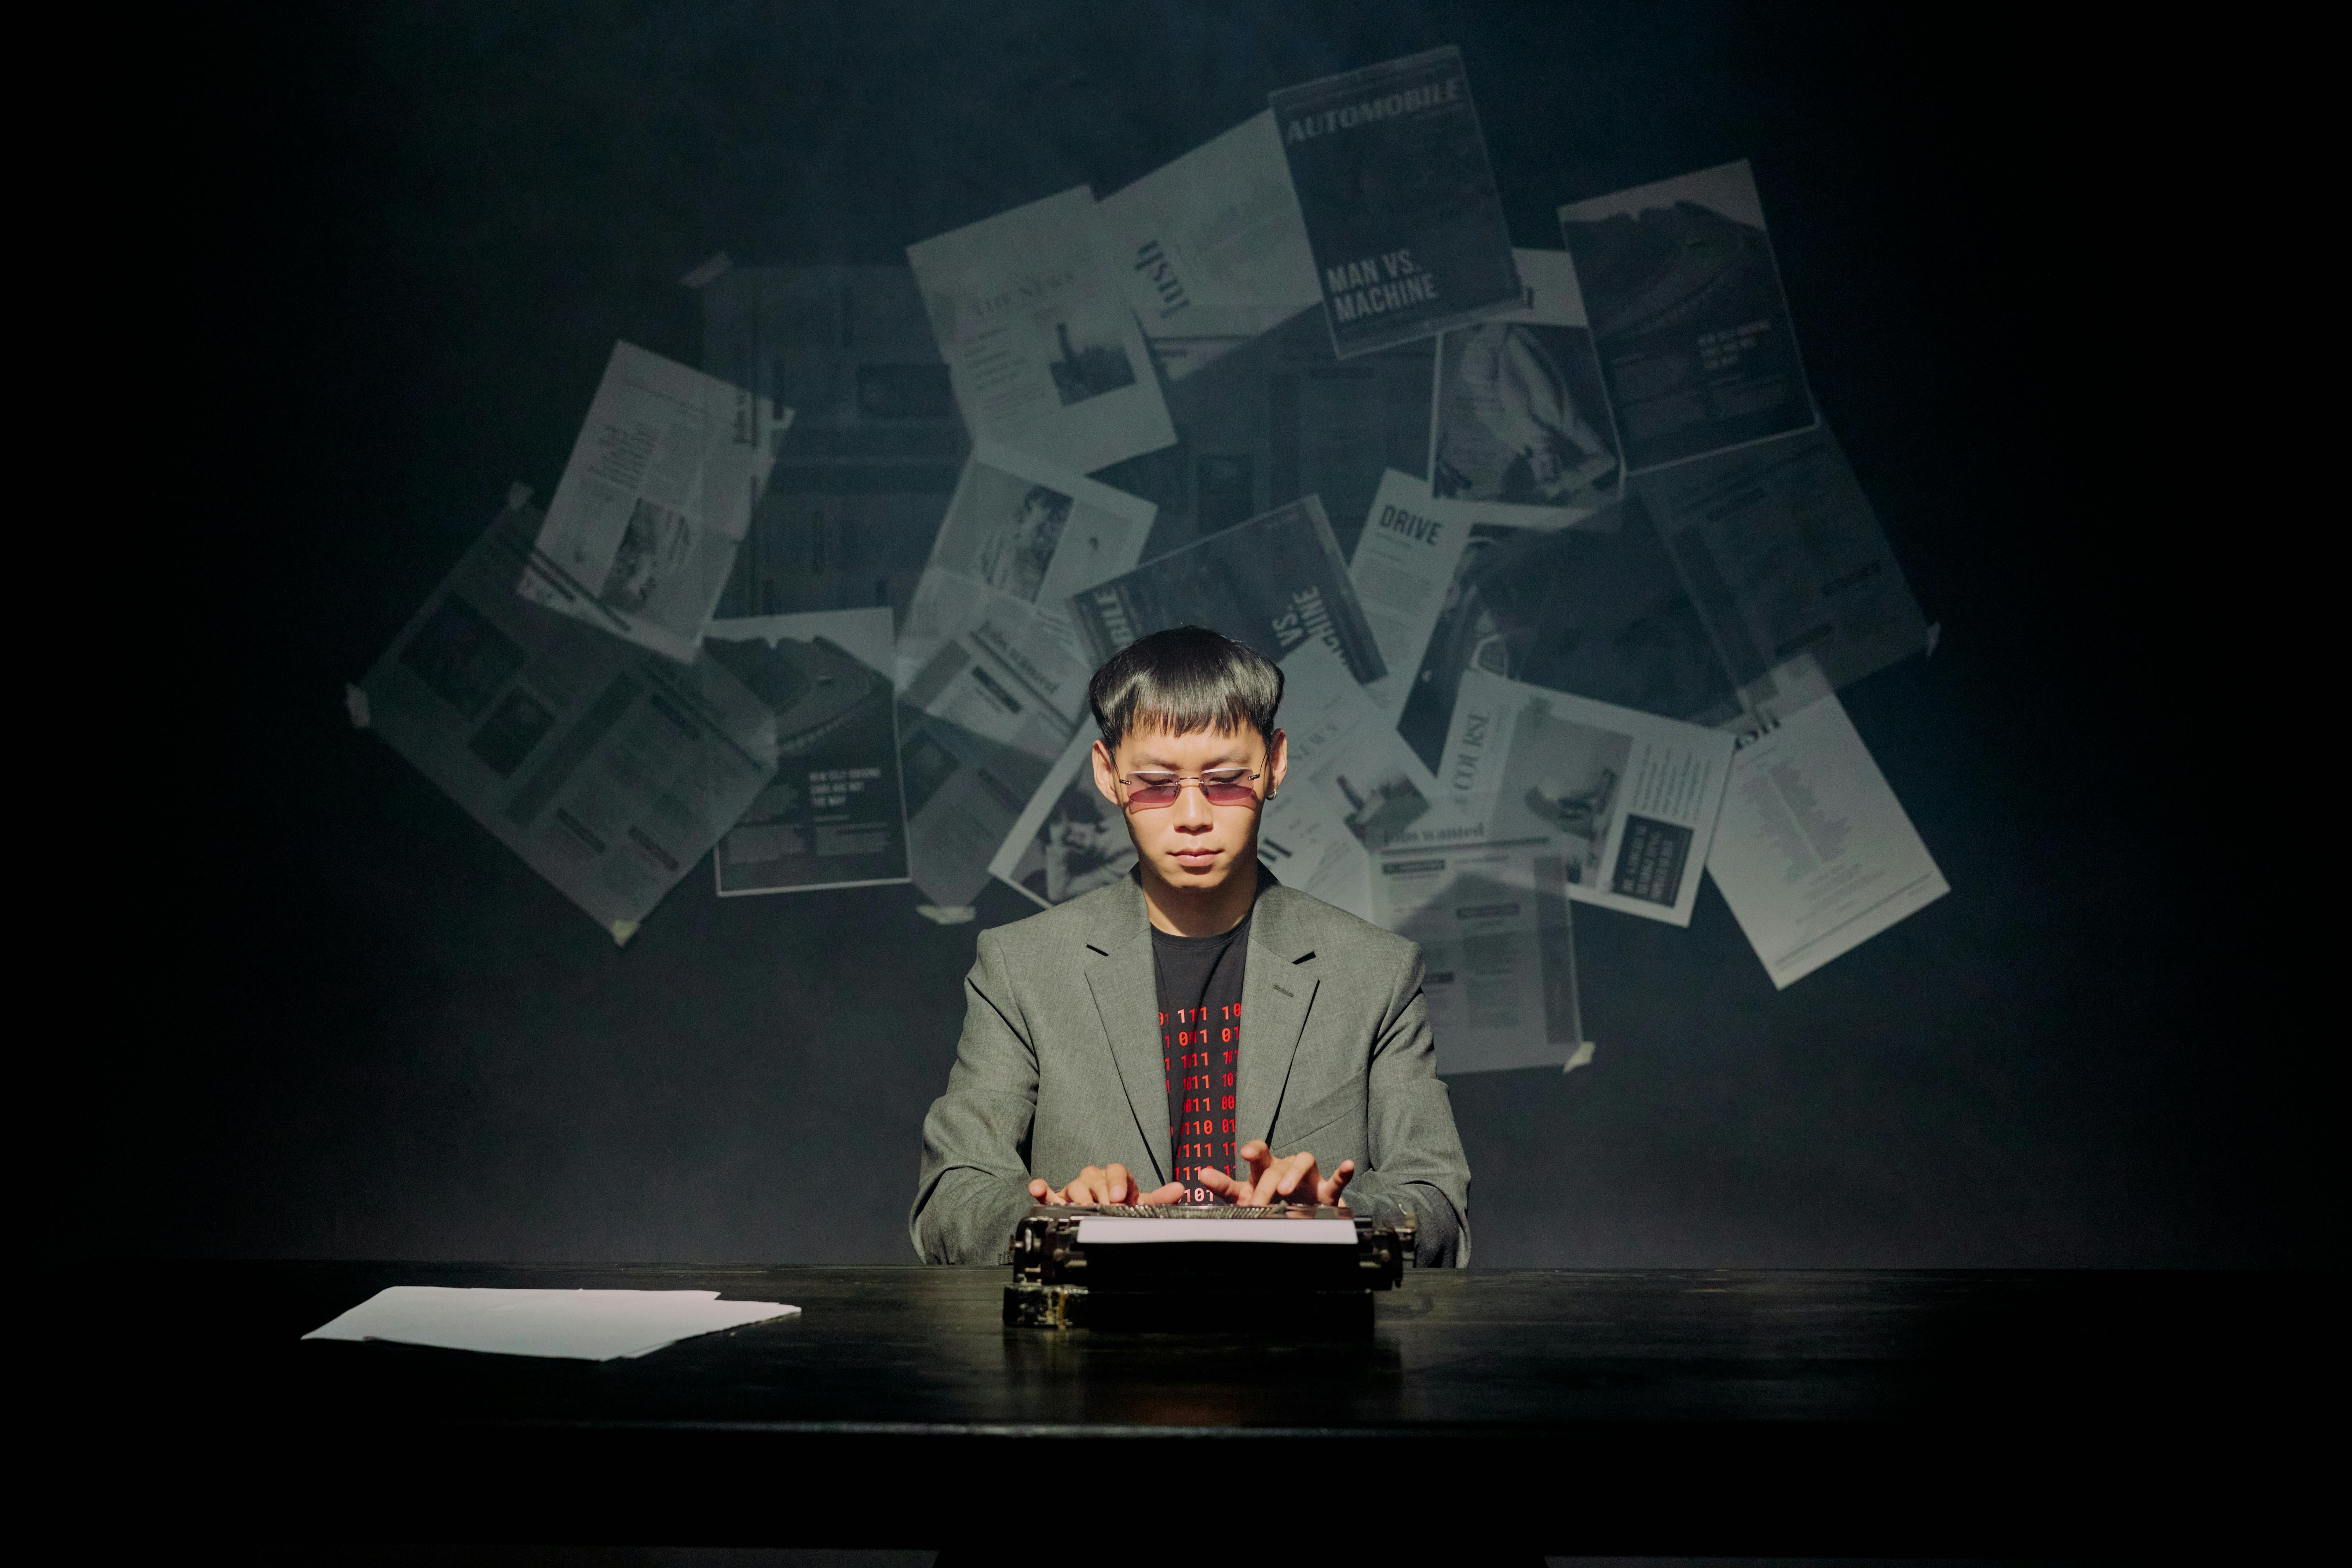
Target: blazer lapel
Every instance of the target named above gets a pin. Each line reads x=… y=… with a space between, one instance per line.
x=1126 y=994
x=1277 y=989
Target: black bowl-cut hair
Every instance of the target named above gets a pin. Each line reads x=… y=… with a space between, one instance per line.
x=1184 y=680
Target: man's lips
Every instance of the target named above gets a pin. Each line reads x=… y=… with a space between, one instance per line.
x=1194 y=858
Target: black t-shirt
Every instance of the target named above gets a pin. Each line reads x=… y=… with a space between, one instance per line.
x=1200 y=1047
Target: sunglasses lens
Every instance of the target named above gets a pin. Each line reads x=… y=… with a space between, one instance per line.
x=1229 y=794
x=1152 y=795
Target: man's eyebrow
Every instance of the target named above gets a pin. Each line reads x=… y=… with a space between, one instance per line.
x=1218 y=766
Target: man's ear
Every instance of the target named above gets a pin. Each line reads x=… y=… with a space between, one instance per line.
x=1277 y=762
x=1106 y=775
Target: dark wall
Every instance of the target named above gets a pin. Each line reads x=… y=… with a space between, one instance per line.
x=411 y=235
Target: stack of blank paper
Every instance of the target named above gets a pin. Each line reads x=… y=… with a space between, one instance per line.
x=579 y=1325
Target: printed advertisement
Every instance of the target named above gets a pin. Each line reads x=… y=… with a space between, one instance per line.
x=832 y=816
x=1693 y=329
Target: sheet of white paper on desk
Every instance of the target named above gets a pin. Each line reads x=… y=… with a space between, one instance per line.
x=1813 y=854
x=577 y=1325
x=1097 y=1230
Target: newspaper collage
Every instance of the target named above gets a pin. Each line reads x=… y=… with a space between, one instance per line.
x=1560 y=563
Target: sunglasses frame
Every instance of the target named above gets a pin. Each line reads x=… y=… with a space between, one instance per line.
x=1127 y=782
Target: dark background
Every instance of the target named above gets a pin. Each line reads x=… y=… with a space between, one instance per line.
x=404 y=240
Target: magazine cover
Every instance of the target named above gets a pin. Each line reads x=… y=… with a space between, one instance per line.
x=1401 y=212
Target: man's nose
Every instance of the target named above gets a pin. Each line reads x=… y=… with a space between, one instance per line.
x=1192 y=808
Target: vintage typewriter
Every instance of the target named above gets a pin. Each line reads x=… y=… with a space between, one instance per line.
x=1167 y=1265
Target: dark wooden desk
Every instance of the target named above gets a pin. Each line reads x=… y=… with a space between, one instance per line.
x=1566 y=1412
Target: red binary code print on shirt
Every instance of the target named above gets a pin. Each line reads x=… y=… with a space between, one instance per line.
x=1200 y=983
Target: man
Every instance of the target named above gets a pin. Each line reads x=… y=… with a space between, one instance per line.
x=1195 y=1033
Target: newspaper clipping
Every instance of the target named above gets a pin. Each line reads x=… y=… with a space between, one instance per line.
x=1786 y=561
x=1629 y=800
x=1211 y=248
x=608 y=770
x=1402 y=211
x=1041 y=349
x=874 y=451
x=1693 y=332
x=832 y=815
x=1403 y=565
x=1272 y=582
x=642 y=533
x=1021 y=528
x=1495 y=931
x=1596 y=613
x=1520 y=432
x=1814 y=855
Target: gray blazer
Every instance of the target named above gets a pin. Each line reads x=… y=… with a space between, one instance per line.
x=1059 y=1068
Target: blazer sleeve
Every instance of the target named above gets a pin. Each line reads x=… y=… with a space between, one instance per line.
x=973 y=1186
x=1416 y=1159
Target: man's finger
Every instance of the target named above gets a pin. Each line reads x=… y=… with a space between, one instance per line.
x=1215 y=1180
x=1171 y=1192
x=1298 y=1172
x=1256 y=1156
x=1116 y=1186
x=1332 y=1188
x=1087 y=1186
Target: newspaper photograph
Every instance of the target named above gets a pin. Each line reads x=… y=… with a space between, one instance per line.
x=642 y=531
x=609 y=769
x=988 y=716
x=832 y=815
x=1277 y=419
x=1495 y=932
x=1404 y=563
x=1020 y=528
x=1211 y=248
x=1627 y=799
x=1814 y=855
x=1520 y=432
x=1597 y=614
x=1402 y=213
x=1693 y=329
x=1041 y=350
x=1070 y=840
x=862 y=477
x=1272 y=582
x=1785 y=559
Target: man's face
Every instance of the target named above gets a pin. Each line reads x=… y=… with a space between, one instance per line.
x=1192 y=844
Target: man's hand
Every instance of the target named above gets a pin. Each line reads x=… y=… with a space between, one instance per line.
x=1292 y=1178
x=1096 y=1185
